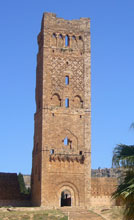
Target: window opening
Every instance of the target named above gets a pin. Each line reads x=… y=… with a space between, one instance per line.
x=67 y=102
x=67 y=80
x=73 y=37
x=80 y=152
x=80 y=38
x=52 y=151
x=54 y=35
x=66 y=41
x=60 y=36
x=66 y=141
x=70 y=144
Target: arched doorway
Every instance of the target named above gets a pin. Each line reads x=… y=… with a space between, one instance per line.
x=71 y=190
x=65 y=198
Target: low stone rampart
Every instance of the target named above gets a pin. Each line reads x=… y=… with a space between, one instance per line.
x=102 y=189
x=10 y=191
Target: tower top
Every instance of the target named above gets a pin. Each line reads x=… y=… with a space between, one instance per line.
x=50 y=14
x=50 y=20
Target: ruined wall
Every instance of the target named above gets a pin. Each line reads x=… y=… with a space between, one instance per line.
x=101 y=188
x=101 y=191
x=108 y=172
x=10 y=191
x=9 y=186
x=27 y=180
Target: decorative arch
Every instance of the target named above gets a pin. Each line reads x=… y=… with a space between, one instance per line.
x=66 y=198
x=67 y=41
x=60 y=40
x=78 y=103
x=68 y=186
x=72 y=139
x=74 y=42
x=55 y=100
x=54 y=40
x=80 y=42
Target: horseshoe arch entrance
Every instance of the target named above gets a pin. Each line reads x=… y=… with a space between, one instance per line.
x=65 y=198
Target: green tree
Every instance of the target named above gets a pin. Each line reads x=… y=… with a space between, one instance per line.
x=23 y=188
x=123 y=156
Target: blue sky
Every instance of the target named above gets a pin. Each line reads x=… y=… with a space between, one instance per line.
x=112 y=59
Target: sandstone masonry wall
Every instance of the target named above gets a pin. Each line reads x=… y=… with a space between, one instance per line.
x=10 y=191
x=64 y=52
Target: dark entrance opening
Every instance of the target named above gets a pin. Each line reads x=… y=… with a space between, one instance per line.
x=65 y=198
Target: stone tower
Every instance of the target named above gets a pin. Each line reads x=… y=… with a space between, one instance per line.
x=61 y=169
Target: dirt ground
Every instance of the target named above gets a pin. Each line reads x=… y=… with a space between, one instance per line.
x=95 y=213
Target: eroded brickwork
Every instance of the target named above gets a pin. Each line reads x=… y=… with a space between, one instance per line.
x=9 y=186
x=10 y=191
x=102 y=189
x=62 y=149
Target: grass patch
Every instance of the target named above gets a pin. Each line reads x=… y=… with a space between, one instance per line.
x=36 y=215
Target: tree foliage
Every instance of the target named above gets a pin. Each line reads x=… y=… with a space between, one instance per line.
x=123 y=156
x=23 y=188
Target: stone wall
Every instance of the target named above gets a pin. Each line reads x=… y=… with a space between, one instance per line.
x=108 y=172
x=27 y=180
x=9 y=186
x=102 y=189
x=64 y=52
x=10 y=191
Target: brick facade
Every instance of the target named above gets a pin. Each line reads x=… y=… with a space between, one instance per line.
x=10 y=191
x=62 y=149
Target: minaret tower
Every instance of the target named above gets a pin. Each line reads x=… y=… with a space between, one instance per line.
x=61 y=169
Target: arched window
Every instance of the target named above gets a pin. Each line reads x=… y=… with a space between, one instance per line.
x=52 y=151
x=80 y=152
x=80 y=42
x=66 y=40
x=60 y=42
x=67 y=80
x=67 y=102
x=56 y=101
x=73 y=37
x=78 y=103
x=74 y=42
x=66 y=141
x=54 y=40
x=54 y=35
x=60 y=36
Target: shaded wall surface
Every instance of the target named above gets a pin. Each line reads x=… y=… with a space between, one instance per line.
x=10 y=191
x=9 y=186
